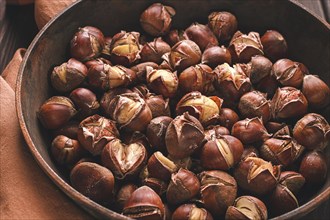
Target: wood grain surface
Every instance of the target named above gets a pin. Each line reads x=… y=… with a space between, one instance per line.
x=18 y=28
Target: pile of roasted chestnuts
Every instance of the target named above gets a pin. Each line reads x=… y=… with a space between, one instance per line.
x=202 y=123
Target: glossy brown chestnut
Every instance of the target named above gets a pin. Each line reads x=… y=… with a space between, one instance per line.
x=292 y=180
x=130 y=111
x=243 y=47
x=314 y=168
x=56 y=111
x=312 y=131
x=157 y=185
x=141 y=70
x=256 y=175
x=255 y=104
x=174 y=36
x=185 y=163
x=247 y=207
x=191 y=212
x=250 y=151
x=282 y=200
x=160 y=167
x=274 y=44
x=66 y=151
x=158 y=105
x=183 y=136
x=272 y=126
x=183 y=54
x=70 y=129
x=94 y=181
x=156 y=20
x=221 y=153
x=87 y=43
x=288 y=102
x=162 y=81
x=144 y=203
x=153 y=51
x=215 y=55
x=268 y=85
x=223 y=24
x=228 y=117
x=260 y=67
x=218 y=191
x=156 y=131
x=289 y=73
x=96 y=61
x=68 y=76
x=199 y=77
x=85 y=101
x=125 y=161
x=250 y=131
x=123 y=194
x=316 y=91
x=230 y=84
x=95 y=132
x=205 y=109
x=184 y=185
x=202 y=35
x=125 y=48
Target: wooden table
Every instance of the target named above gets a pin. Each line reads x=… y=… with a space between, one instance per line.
x=17 y=29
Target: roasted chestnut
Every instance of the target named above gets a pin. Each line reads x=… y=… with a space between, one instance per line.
x=160 y=167
x=201 y=35
x=162 y=81
x=247 y=207
x=87 y=43
x=259 y=68
x=215 y=131
x=292 y=180
x=223 y=24
x=316 y=91
x=156 y=131
x=174 y=36
x=123 y=194
x=56 y=112
x=191 y=212
x=141 y=70
x=313 y=168
x=183 y=136
x=215 y=55
x=85 y=101
x=274 y=45
x=312 y=131
x=156 y=20
x=228 y=117
x=153 y=51
x=256 y=175
x=282 y=200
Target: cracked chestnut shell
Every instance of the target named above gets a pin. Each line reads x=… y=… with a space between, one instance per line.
x=255 y=104
x=215 y=131
x=66 y=151
x=156 y=20
x=95 y=132
x=281 y=149
x=183 y=136
x=125 y=161
x=227 y=117
x=94 y=181
x=125 y=48
x=202 y=35
x=141 y=70
x=105 y=76
x=96 y=61
x=162 y=81
x=259 y=68
x=223 y=24
x=316 y=91
x=68 y=76
x=282 y=200
x=218 y=191
x=130 y=111
x=215 y=55
x=144 y=203
x=247 y=207
x=243 y=47
x=221 y=153
x=230 y=84
x=56 y=111
x=184 y=185
x=108 y=96
x=274 y=44
x=191 y=212
x=205 y=109
x=289 y=73
x=250 y=131
x=161 y=167
x=312 y=131
x=314 y=168
x=183 y=54
x=174 y=36
x=156 y=131
x=292 y=180
x=153 y=51
x=288 y=102
x=199 y=77
x=256 y=175
x=87 y=43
